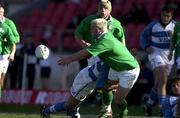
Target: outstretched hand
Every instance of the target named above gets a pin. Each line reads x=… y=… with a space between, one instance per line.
x=63 y=61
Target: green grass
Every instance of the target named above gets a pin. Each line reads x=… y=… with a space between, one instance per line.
x=85 y=109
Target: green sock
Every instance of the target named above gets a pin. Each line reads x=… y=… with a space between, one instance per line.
x=107 y=98
x=123 y=111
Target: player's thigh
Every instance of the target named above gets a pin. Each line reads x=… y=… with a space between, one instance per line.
x=156 y=60
x=160 y=59
x=4 y=63
x=126 y=78
x=83 y=85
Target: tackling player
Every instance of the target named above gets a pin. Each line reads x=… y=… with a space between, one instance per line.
x=84 y=38
x=124 y=69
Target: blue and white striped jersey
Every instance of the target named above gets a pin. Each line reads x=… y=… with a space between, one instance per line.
x=156 y=35
x=169 y=106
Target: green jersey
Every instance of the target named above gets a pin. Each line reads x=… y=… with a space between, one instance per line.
x=176 y=38
x=83 y=29
x=7 y=39
x=13 y=28
x=113 y=53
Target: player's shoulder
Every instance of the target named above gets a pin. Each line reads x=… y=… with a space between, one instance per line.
x=90 y=17
x=173 y=21
x=8 y=20
x=115 y=20
x=152 y=24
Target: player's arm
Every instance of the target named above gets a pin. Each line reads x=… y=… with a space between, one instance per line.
x=81 y=42
x=13 y=28
x=80 y=31
x=13 y=50
x=12 y=42
x=120 y=34
x=144 y=38
x=74 y=57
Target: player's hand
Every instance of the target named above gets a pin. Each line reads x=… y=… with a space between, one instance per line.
x=11 y=57
x=149 y=50
x=63 y=61
x=110 y=86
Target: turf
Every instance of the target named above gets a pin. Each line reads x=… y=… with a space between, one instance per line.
x=31 y=111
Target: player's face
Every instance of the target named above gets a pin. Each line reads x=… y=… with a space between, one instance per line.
x=1 y=12
x=166 y=17
x=176 y=88
x=104 y=12
x=95 y=31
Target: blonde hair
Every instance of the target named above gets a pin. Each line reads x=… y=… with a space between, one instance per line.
x=100 y=23
x=106 y=4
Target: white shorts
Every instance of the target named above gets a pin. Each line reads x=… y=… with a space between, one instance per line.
x=86 y=80
x=4 y=63
x=160 y=57
x=83 y=85
x=178 y=62
x=126 y=78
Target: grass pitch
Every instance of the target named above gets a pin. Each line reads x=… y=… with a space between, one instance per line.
x=21 y=115
x=87 y=111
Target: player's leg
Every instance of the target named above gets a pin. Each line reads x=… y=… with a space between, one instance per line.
x=160 y=70
x=126 y=81
x=82 y=86
x=107 y=97
x=4 y=63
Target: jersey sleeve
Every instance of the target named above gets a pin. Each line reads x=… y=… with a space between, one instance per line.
x=13 y=28
x=10 y=37
x=144 y=36
x=81 y=28
x=166 y=108
x=119 y=32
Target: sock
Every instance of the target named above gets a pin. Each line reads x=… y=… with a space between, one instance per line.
x=107 y=98
x=75 y=111
x=161 y=100
x=152 y=98
x=123 y=105
x=123 y=109
x=55 y=108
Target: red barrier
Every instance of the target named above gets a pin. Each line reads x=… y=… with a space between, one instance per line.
x=33 y=97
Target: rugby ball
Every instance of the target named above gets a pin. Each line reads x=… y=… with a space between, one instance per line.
x=42 y=51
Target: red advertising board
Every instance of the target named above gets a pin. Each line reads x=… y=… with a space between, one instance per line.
x=33 y=97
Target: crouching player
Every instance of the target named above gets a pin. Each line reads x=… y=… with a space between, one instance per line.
x=178 y=109
x=123 y=68
x=169 y=106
